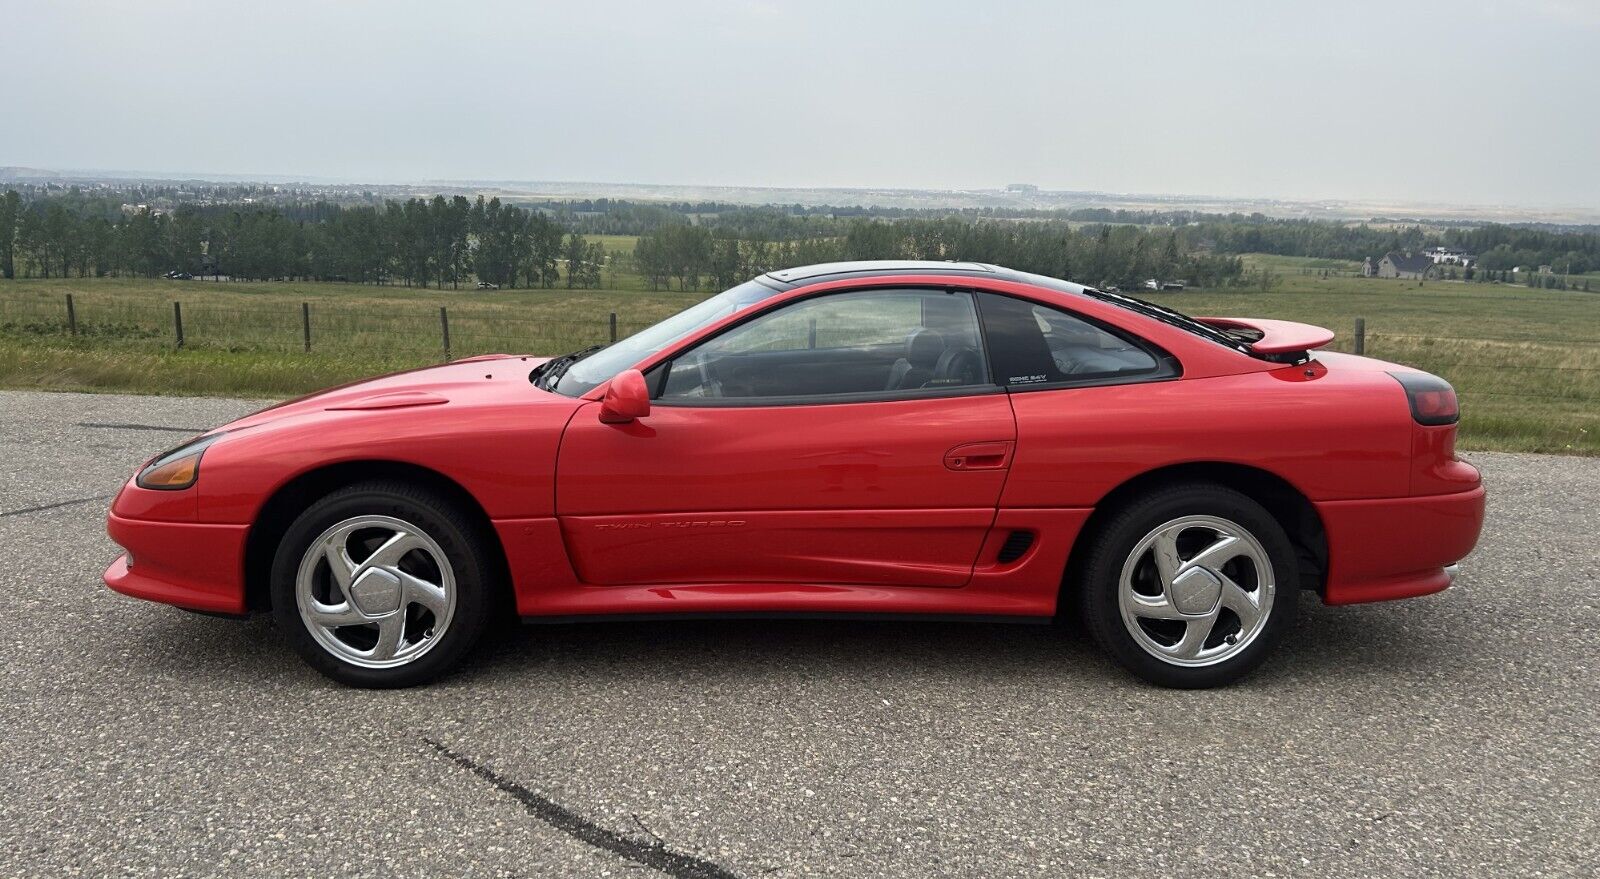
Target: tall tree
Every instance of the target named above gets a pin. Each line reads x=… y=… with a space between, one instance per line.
x=593 y=263
x=574 y=253
x=10 y=210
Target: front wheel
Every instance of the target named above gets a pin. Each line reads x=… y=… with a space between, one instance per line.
x=1191 y=586
x=382 y=585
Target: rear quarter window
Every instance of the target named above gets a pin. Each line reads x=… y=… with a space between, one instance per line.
x=1032 y=345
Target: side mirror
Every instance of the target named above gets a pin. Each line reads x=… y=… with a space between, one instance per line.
x=626 y=399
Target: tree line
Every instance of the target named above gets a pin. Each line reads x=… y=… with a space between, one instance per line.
x=419 y=242
x=442 y=242
x=1121 y=256
x=264 y=232
x=1498 y=246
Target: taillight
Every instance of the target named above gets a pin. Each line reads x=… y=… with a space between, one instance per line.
x=1433 y=401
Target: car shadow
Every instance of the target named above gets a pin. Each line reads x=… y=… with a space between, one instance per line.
x=1324 y=640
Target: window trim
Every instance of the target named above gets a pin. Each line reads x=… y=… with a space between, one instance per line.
x=658 y=383
x=830 y=399
x=1168 y=366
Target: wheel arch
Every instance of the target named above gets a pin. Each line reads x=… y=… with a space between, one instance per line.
x=275 y=516
x=1287 y=504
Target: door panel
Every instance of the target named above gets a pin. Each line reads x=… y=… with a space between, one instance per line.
x=899 y=547
x=857 y=493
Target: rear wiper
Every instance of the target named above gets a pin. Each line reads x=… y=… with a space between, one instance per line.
x=545 y=375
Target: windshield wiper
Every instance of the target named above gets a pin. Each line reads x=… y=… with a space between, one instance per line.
x=545 y=375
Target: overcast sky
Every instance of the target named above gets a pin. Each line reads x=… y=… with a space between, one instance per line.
x=1465 y=102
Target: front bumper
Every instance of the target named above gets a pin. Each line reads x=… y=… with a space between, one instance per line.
x=188 y=564
x=1391 y=548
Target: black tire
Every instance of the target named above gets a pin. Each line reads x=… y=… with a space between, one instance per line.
x=1099 y=582
x=464 y=545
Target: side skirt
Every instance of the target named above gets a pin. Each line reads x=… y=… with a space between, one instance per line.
x=786 y=615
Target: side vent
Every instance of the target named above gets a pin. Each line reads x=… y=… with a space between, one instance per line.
x=1017 y=543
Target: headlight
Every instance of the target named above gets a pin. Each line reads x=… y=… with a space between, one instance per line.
x=177 y=469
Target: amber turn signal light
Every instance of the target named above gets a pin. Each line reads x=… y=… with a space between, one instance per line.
x=173 y=474
x=177 y=469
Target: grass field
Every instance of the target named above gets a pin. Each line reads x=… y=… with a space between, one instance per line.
x=616 y=243
x=1526 y=362
x=249 y=338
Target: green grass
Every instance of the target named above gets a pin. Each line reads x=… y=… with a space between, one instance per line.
x=249 y=338
x=1299 y=264
x=1526 y=362
x=616 y=243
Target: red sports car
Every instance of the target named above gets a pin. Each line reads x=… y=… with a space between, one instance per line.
x=887 y=439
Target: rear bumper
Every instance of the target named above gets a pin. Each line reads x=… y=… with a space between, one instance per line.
x=191 y=565
x=1380 y=550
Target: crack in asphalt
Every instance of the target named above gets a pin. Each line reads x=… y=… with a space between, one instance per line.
x=655 y=854
x=42 y=507
x=139 y=427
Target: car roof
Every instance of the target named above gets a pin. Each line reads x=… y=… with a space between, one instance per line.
x=879 y=267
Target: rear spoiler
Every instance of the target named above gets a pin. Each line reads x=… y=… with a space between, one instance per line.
x=1272 y=339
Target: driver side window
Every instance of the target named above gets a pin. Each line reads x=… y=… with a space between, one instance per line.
x=865 y=344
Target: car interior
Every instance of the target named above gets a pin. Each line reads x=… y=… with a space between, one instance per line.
x=896 y=341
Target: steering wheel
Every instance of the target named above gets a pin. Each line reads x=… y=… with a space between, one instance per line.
x=957 y=366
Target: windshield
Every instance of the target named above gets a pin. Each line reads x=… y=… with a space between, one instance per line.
x=578 y=373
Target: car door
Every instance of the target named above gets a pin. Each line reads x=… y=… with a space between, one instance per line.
x=850 y=438
x=1084 y=409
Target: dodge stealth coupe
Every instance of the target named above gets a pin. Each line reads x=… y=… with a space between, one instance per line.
x=901 y=439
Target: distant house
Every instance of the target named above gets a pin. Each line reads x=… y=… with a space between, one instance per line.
x=1369 y=269
x=1404 y=265
x=1450 y=256
x=1170 y=286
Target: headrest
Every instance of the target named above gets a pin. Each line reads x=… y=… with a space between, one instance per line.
x=923 y=347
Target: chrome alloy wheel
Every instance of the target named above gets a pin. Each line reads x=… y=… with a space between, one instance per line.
x=1196 y=591
x=375 y=591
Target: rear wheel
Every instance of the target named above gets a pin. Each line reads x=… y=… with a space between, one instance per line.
x=1191 y=586
x=382 y=585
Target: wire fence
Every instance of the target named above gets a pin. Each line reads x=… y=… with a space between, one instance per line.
x=1523 y=366
x=401 y=330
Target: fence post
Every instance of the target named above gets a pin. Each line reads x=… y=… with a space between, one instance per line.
x=444 y=329
x=72 y=316
x=177 y=322
x=613 y=322
x=305 y=323
x=1361 y=335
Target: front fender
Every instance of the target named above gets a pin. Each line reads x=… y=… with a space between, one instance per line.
x=504 y=456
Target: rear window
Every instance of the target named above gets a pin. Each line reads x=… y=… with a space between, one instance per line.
x=1134 y=304
x=1033 y=345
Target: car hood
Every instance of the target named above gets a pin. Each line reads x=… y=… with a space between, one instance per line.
x=487 y=379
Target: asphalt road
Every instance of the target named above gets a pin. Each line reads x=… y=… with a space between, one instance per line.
x=1449 y=735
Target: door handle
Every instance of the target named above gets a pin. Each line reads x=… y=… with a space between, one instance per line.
x=980 y=456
